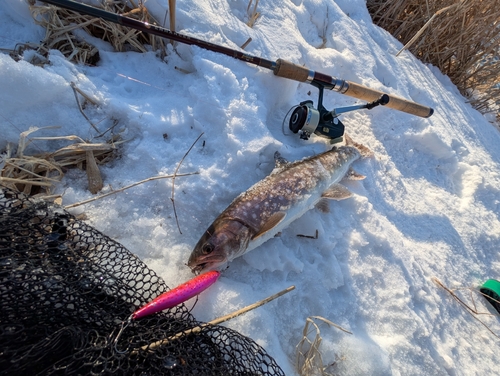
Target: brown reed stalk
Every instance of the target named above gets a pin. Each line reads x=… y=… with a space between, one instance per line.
x=252 y=14
x=171 y=9
x=462 y=41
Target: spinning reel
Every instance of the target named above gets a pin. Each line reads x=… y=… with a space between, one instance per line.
x=306 y=120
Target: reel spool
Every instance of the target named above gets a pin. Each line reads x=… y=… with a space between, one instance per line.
x=306 y=120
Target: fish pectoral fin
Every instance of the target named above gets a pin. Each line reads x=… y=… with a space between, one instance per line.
x=271 y=223
x=353 y=175
x=323 y=205
x=337 y=192
x=279 y=161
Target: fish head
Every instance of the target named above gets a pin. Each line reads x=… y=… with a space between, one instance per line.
x=222 y=242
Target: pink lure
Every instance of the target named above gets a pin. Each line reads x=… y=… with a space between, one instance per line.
x=178 y=295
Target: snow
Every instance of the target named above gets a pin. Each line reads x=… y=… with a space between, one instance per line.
x=428 y=208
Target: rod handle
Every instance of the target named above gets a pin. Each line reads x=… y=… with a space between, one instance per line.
x=396 y=103
x=293 y=71
x=296 y=72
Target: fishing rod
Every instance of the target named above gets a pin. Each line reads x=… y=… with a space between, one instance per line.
x=280 y=68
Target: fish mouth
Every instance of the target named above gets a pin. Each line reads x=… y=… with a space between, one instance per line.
x=198 y=268
x=205 y=264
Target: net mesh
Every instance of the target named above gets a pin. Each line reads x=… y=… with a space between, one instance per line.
x=65 y=290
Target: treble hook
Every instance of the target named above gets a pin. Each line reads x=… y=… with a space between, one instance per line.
x=124 y=325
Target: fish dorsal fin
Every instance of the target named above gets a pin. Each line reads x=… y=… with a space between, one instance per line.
x=337 y=192
x=363 y=150
x=323 y=205
x=353 y=175
x=271 y=223
x=279 y=161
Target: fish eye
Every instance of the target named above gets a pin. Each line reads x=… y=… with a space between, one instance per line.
x=207 y=248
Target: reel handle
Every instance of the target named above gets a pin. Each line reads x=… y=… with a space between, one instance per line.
x=296 y=72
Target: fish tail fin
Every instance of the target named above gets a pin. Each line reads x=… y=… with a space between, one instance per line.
x=363 y=150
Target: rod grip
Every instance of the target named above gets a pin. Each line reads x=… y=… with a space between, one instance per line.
x=364 y=93
x=292 y=71
x=296 y=72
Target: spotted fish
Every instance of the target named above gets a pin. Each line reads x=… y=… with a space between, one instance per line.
x=272 y=204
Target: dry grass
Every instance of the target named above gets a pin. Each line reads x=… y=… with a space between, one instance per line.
x=462 y=41
x=18 y=53
x=36 y=174
x=252 y=13
x=309 y=359
x=60 y=24
x=471 y=308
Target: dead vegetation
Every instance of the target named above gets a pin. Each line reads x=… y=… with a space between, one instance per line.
x=472 y=307
x=60 y=25
x=36 y=174
x=309 y=353
x=461 y=39
x=252 y=13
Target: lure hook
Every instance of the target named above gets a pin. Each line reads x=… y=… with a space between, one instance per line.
x=124 y=325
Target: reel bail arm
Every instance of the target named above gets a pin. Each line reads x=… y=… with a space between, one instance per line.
x=383 y=100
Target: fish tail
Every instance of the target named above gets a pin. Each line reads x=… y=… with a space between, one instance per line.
x=363 y=150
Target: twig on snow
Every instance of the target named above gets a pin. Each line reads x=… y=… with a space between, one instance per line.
x=173 y=181
x=216 y=321
x=127 y=187
x=472 y=311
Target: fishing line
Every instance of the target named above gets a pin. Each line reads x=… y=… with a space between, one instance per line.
x=194 y=304
x=139 y=81
x=148 y=84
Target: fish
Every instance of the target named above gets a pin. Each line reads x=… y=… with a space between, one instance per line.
x=270 y=205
